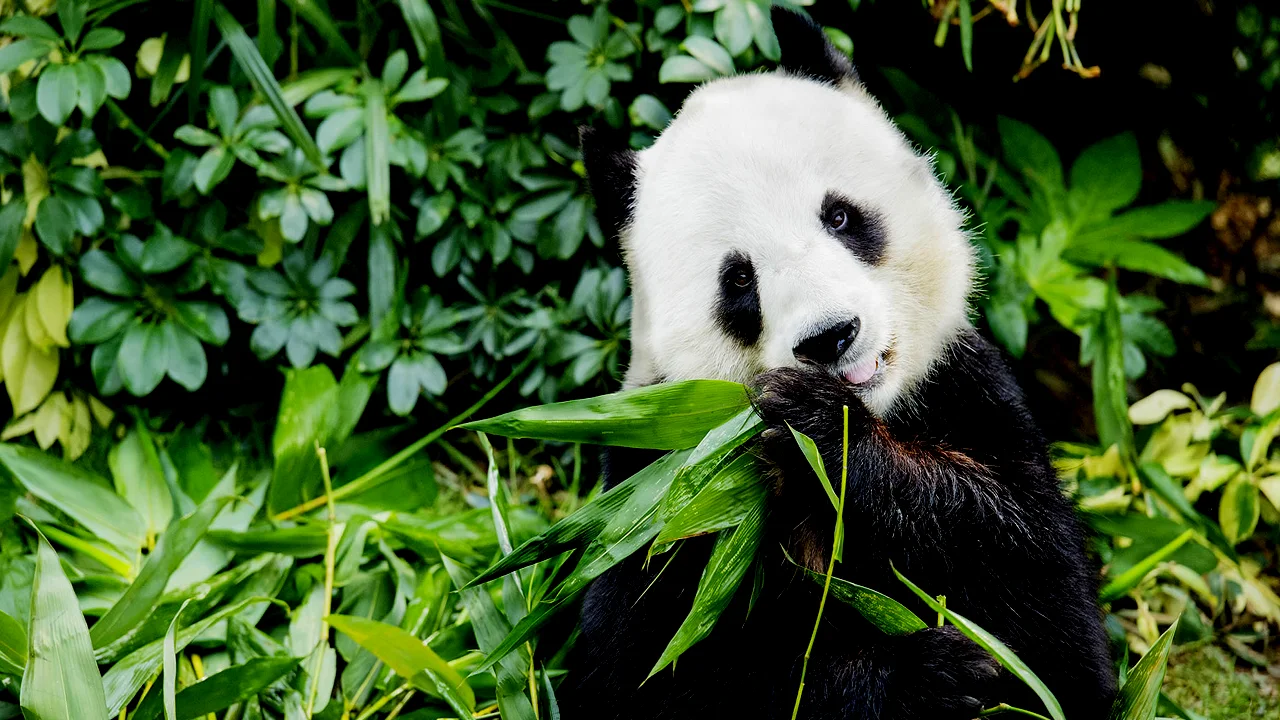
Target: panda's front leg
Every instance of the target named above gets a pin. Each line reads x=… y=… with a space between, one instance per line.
x=935 y=673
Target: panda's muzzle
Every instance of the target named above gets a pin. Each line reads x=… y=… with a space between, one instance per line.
x=828 y=345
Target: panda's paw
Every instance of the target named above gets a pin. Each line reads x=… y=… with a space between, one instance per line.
x=944 y=675
x=809 y=401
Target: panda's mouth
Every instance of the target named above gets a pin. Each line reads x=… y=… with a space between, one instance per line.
x=865 y=370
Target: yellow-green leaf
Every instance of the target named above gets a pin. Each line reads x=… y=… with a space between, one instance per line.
x=1138 y=698
x=1157 y=406
x=55 y=300
x=29 y=372
x=1238 y=512
x=1266 y=391
x=410 y=658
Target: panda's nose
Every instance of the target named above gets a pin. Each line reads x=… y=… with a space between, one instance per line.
x=826 y=346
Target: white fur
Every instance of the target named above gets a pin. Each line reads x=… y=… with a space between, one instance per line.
x=745 y=166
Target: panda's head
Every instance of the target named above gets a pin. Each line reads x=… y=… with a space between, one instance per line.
x=781 y=220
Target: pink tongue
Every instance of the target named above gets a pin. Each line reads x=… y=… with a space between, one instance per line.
x=861 y=372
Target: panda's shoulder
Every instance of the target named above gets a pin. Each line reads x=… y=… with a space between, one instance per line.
x=971 y=384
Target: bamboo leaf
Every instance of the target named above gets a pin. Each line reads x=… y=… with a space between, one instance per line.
x=13 y=646
x=632 y=524
x=991 y=644
x=512 y=670
x=810 y=450
x=728 y=498
x=887 y=614
x=61 y=680
x=125 y=678
x=80 y=494
x=1127 y=580
x=666 y=416
x=425 y=30
x=221 y=690
x=259 y=74
x=139 y=479
x=1141 y=692
x=734 y=551
x=121 y=622
x=583 y=527
x=377 y=151
x=410 y=658
x=199 y=44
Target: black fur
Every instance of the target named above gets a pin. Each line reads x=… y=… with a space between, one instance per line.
x=956 y=490
x=738 y=305
x=611 y=173
x=863 y=232
x=806 y=51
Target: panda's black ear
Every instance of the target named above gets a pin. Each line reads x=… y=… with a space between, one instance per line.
x=611 y=173
x=806 y=50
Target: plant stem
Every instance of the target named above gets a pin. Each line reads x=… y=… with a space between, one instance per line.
x=831 y=564
x=330 y=552
x=373 y=478
x=1005 y=707
x=380 y=702
x=127 y=123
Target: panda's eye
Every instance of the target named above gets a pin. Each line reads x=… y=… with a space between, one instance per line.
x=741 y=278
x=838 y=219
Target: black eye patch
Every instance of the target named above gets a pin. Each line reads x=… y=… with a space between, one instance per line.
x=737 y=310
x=860 y=229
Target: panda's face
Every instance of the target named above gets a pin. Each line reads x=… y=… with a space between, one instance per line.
x=781 y=221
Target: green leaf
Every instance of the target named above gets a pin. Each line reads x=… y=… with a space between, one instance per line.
x=340 y=129
x=734 y=551
x=143 y=359
x=101 y=270
x=117 y=76
x=419 y=87
x=92 y=86
x=666 y=416
x=710 y=53
x=222 y=689
x=1168 y=219
x=410 y=658
x=1136 y=255
x=308 y=415
x=21 y=51
x=810 y=450
x=1239 y=509
x=29 y=26
x=139 y=479
x=1110 y=388
x=11 y=217
x=214 y=167
x=512 y=671
x=1129 y=579
x=56 y=93
x=126 y=677
x=259 y=74
x=882 y=611
x=991 y=644
x=966 y=34
x=71 y=14
x=61 y=680
x=648 y=111
x=76 y=491
x=102 y=38
x=55 y=224
x=684 y=69
x=13 y=646
x=425 y=30
x=733 y=26
x=1141 y=692
x=1107 y=175
x=1029 y=152
x=377 y=152
x=201 y=18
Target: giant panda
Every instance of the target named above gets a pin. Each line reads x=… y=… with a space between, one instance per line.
x=783 y=234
